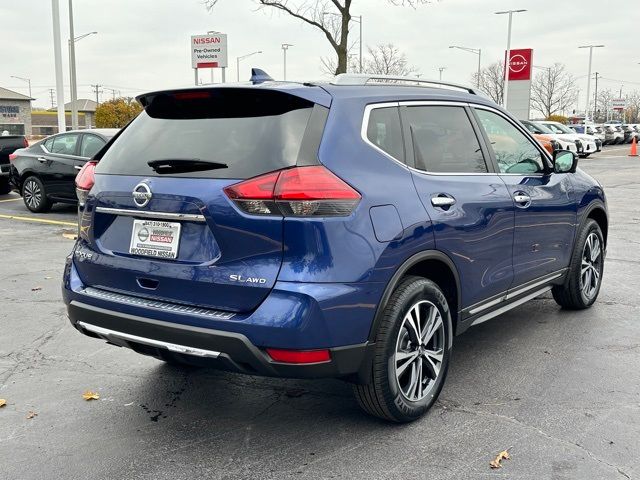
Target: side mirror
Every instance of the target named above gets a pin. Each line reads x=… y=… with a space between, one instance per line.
x=564 y=161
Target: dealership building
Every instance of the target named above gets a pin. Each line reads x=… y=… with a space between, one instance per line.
x=15 y=112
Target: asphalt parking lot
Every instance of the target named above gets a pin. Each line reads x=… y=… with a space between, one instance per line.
x=560 y=389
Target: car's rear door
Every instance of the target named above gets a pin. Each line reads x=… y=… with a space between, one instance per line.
x=545 y=213
x=58 y=165
x=470 y=207
x=173 y=234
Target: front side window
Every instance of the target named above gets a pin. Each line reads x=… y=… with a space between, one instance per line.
x=384 y=131
x=514 y=152
x=444 y=140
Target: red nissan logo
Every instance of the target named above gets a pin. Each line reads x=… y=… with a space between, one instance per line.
x=517 y=63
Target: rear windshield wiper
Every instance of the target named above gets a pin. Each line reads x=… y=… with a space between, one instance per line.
x=183 y=165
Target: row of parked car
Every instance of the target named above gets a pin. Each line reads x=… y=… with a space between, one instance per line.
x=612 y=133
x=557 y=136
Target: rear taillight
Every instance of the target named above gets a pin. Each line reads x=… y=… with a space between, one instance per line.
x=12 y=156
x=295 y=192
x=84 y=182
x=299 y=356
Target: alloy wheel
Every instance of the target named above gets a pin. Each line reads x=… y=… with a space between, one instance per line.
x=419 y=350
x=32 y=194
x=591 y=266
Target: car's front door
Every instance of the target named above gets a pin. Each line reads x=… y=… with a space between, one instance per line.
x=546 y=216
x=58 y=165
x=469 y=206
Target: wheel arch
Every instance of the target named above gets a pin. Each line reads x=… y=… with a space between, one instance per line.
x=431 y=264
x=598 y=213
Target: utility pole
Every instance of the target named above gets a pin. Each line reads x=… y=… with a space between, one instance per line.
x=57 y=54
x=441 y=69
x=595 y=99
x=113 y=92
x=96 y=88
x=285 y=47
x=52 y=93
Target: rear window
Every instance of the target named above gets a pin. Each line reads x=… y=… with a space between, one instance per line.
x=251 y=132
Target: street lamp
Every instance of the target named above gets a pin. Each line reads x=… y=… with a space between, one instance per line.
x=478 y=52
x=238 y=63
x=441 y=69
x=73 y=86
x=285 y=47
x=590 y=47
x=507 y=67
x=28 y=80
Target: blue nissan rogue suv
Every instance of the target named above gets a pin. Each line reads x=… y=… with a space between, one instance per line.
x=348 y=229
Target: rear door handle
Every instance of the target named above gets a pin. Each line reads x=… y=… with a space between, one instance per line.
x=77 y=167
x=522 y=199
x=442 y=201
x=42 y=159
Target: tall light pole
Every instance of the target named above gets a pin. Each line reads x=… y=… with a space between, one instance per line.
x=57 y=55
x=590 y=47
x=28 y=80
x=507 y=66
x=285 y=47
x=73 y=81
x=441 y=69
x=238 y=62
x=478 y=52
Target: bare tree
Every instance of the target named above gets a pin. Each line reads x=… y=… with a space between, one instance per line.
x=331 y=17
x=383 y=59
x=602 y=105
x=553 y=90
x=491 y=81
x=632 y=111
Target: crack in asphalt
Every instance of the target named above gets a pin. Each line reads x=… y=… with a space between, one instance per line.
x=453 y=407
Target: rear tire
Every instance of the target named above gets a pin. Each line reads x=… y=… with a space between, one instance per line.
x=411 y=353
x=35 y=196
x=5 y=187
x=584 y=277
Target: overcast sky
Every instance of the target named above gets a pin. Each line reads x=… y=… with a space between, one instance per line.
x=144 y=44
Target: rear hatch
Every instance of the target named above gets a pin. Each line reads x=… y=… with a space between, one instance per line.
x=157 y=222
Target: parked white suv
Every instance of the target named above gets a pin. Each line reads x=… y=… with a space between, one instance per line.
x=587 y=144
x=565 y=141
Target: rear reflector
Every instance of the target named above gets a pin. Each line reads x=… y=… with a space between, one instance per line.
x=295 y=192
x=299 y=356
x=84 y=181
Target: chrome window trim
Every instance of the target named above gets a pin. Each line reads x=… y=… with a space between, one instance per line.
x=109 y=335
x=365 y=124
x=189 y=217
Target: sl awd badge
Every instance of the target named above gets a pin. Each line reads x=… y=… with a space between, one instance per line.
x=241 y=279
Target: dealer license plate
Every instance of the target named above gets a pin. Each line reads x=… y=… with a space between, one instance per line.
x=153 y=238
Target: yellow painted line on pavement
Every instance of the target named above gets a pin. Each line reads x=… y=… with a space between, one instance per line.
x=11 y=199
x=38 y=220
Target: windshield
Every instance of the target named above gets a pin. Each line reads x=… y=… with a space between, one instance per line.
x=559 y=128
x=542 y=128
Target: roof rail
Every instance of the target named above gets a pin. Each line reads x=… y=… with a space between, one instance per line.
x=368 y=79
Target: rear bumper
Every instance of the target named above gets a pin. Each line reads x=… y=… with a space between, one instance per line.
x=215 y=348
x=294 y=316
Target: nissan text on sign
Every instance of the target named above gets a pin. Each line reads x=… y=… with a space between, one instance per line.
x=209 y=51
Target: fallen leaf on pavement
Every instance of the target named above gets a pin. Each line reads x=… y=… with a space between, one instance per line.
x=503 y=455
x=89 y=395
x=31 y=414
x=3 y=402
x=35 y=289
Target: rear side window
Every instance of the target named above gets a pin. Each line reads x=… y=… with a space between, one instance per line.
x=444 y=140
x=384 y=131
x=251 y=132
x=91 y=144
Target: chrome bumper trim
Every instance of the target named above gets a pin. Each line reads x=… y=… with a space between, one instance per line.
x=187 y=217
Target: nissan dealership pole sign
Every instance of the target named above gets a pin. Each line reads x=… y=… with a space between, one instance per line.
x=209 y=51
x=519 y=77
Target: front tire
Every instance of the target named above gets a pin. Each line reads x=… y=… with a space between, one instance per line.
x=584 y=278
x=35 y=196
x=411 y=355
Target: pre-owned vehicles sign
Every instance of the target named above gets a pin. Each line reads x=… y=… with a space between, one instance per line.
x=209 y=51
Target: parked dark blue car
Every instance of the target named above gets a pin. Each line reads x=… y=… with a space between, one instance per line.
x=347 y=229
